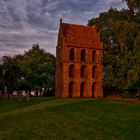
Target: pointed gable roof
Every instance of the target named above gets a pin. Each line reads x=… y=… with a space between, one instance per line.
x=81 y=36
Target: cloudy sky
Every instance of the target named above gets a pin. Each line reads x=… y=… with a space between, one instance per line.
x=24 y=22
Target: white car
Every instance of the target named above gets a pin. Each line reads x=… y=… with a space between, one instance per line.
x=33 y=93
x=15 y=93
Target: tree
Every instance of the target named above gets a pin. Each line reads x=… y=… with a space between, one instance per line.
x=1 y=78
x=38 y=68
x=35 y=69
x=137 y=61
x=134 y=5
x=119 y=30
x=10 y=73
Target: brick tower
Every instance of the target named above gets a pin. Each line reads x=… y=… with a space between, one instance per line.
x=79 y=66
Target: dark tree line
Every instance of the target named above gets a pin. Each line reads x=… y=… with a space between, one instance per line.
x=33 y=70
x=120 y=32
x=134 y=5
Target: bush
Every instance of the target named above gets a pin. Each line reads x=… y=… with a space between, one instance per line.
x=126 y=94
x=138 y=94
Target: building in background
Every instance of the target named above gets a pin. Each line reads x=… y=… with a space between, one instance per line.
x=79 y=62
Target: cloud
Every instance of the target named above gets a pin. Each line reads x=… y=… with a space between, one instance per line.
x=24 y=22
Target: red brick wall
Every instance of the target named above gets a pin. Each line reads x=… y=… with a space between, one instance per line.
x=63 y=63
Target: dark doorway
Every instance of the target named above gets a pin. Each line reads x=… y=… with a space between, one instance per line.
x=71 y=89
x=82 y=89
x=93 y=90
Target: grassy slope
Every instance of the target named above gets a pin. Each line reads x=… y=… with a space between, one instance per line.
x=69 y=119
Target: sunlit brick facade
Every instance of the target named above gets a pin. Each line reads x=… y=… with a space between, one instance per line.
x=79 y=65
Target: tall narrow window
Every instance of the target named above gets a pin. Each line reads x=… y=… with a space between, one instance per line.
x=71 y=84
x=93 y=89
x=83 y=55
x=71 y=70
x=93 y=56
x=83 y=69
x=82 y=89
x=94 y=72
x=71 y=54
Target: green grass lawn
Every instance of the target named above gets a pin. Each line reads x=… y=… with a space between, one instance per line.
x=69 y=119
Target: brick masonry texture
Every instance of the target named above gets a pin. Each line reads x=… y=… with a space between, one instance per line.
x=79 y=64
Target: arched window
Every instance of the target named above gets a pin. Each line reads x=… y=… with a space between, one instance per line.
x=71 y=84
x=93 y=89
x=94 y=72
x=71 y=70
x=93 y=56
x=83 y=55
x=82 y=89
x=83 y=71
x=71 y=54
